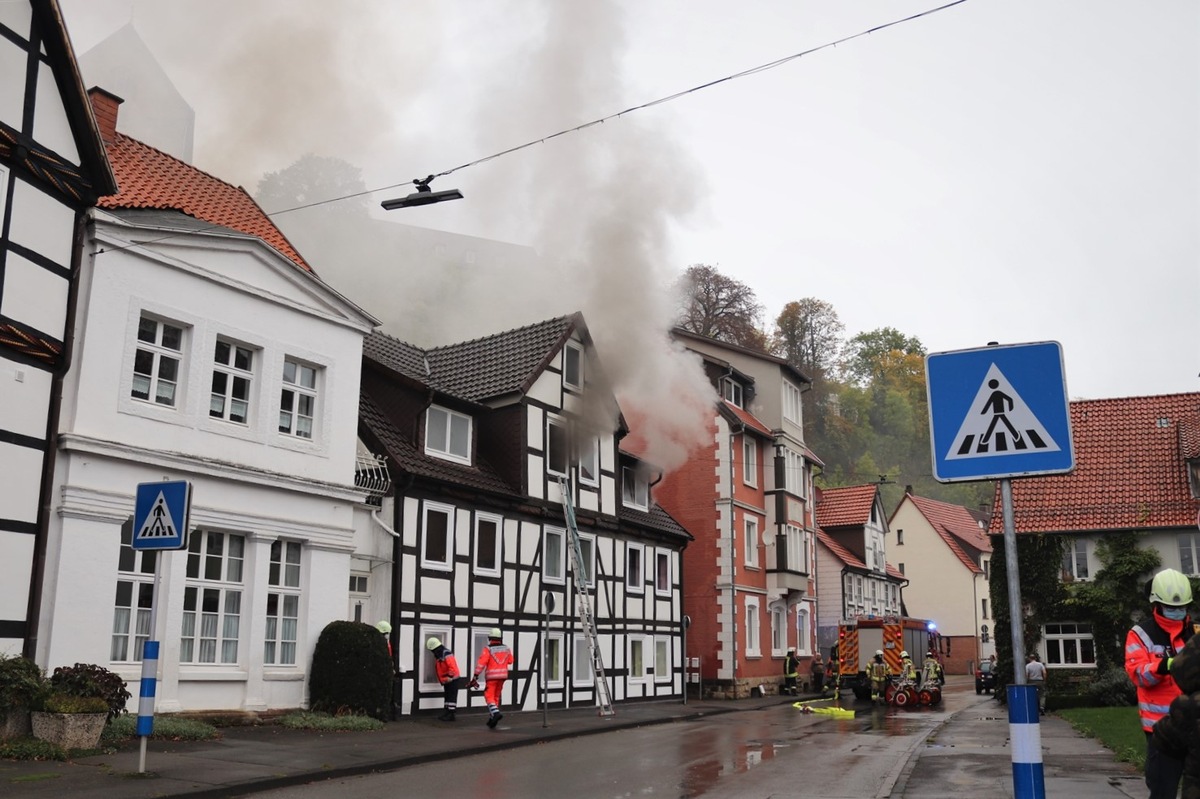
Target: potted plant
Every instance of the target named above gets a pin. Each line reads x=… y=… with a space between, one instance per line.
x=79 y=701
x=22 y=684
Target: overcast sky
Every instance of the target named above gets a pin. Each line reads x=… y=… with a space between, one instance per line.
x=1012 y=171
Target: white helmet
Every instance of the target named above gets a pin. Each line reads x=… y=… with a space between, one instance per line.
x=878 y=653
x=904 y=653
x=494 y=633
x=432 y=644
x=1172 y=588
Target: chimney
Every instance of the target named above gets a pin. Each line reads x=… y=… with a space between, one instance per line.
x=104 y=106
x=908 y=490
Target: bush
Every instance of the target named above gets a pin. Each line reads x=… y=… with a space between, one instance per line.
x=66 y=703
x=22 y=682
x=89 y=680
x=326 y=723
x=351 y=671
x=1113 y=688
x=30 y=748
x=166 y=728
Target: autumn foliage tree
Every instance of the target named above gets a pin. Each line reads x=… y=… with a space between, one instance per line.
x=717 y=306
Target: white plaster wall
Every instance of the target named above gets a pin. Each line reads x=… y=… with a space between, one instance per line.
x=36 y=296
x=50 y=125
x=26 y=393
x=13 y=62
x=42 y=224
x=940 y=587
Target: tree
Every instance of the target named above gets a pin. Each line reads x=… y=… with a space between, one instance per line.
x=717 y=306
x=808 y=335
x=314 y=179
x=869 y=354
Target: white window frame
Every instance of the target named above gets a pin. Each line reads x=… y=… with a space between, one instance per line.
x=480 y=636
x=233 y=374
x=643 y=646
x=553 y=423
x=750 y=542
x=227 y=583
x=749 y=461
x=158 y=352
x=443 y=449
x=635 y=489
x=731 y=392
x=1189 y=546
x=777 y=613
x=1075 y=554
x=579 y=377
x=497 y=553
x=662 y=572
x=589 y=460
x=360 y=594
x=753 y=631
x=284 y=576
x=440 y=508
x=582 y=673
x=428 y=677
x=587 y=548
x=793 y=472
x=1060 y=639
x=559 y=575
x=295 y=394
x=635 y=578
x=662 y=659
x=131 y=621
x=792 y=404
x=554 y=676
x=803 y=630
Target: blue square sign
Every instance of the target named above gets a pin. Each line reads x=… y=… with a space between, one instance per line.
x=160 y=515
x=999 y=411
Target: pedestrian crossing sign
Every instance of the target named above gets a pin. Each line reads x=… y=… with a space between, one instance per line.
x=161 y=513
x=999 y=411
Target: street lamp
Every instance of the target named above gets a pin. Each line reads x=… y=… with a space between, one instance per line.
x=422 y=196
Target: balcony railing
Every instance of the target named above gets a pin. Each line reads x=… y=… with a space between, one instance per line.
x=371 y=474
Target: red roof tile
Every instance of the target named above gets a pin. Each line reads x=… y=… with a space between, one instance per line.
x=149 y=178
x=748 y=419
x=846 y=507
x=1130 y=472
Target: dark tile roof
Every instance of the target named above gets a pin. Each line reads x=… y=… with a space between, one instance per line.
x=849 y=506
x=398 y=356
x=657 y=520
x=1130 y=471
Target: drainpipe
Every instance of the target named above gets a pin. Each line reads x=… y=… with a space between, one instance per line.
x=733 y=558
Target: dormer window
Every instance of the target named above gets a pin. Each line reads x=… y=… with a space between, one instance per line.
x=731 y=391
x=447 y=434
x=1194 y=477
x=635 y=489
x=573 y=365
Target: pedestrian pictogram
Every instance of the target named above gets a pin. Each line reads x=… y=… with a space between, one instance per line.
x=160 y=518
x=1000 y=423
x=998 y=411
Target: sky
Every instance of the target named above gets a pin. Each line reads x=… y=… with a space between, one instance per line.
x=1013 y=171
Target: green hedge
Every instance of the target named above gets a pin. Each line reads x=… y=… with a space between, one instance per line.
x=351 y=671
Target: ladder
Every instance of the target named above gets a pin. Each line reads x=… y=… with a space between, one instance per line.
x=585 y=602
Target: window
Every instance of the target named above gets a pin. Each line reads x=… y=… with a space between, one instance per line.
x=987 y=569
x=662 y=660
x=156 y=362
x=298 y=399
x=635 y=576
x=479 y=642
x=447 y=434
x=900 y=566
x=587 y=551
x=637 y=658
x=778 y=631
x=797 y=549
x=731 y=391
x=791 y=403
x=573 y=365
x=135 y=593
x=360 y=594
x=554 y=660
x=1075 y=562
x=283 y=604
x=212 y=598
x=752 y=643
x=751 y=542
x=983 y=608
x=793 y=472
x=438 y=530
x=803 y=633
x=900 y=537
x=589 y=460
x=553 y=552
x=233 y=373
x=557 y=447
x=662 y=573
x=583 y=674
x=749 y=461
x=1069 y=644
x=1189 y=553
x=429 y=680
x=487 y=543
x=635 y=491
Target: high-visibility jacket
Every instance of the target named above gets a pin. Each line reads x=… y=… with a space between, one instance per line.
x=494 y=662
x=791 y=666
x=1146 y=646
x=447 y=667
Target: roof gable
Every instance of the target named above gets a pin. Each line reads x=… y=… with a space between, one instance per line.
x=1130 y=470
x=849 y=506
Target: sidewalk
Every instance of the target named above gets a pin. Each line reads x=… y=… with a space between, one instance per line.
x=968 y=756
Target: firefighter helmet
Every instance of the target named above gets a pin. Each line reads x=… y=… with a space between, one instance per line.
x=878 y=653
x=432 y=644
x=904 y=653
x=1172 y=588
x=494 y=633
x=383 y=626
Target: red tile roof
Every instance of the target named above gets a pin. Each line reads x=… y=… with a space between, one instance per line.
x=748 y=419
x=149 y=178
x=956 y=526
x=846 y=507
x=1130 y=472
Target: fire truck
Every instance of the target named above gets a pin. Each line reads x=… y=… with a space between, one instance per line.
x=859 y=639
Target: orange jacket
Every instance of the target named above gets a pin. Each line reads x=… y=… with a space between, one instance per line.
x=494 y=662
x=1147 y=645
x=447 y=667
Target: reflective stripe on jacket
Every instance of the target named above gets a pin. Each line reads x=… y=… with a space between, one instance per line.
x=447 y=667
x=494 y=662
x=1146 y=646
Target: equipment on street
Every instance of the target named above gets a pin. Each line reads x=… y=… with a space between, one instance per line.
x=893 y=637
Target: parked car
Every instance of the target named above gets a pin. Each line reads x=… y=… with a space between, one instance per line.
x=985 y=677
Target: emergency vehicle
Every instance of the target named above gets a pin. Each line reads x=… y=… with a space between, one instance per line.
x=859 y=639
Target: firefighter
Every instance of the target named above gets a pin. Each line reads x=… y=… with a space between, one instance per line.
x=818 y=673
x=908 y=672
x=385 y=629
x=791 y=670
x=448 y=675
x=932 y=672
x=1149 y=649
x=494 y=662
x=878 y=674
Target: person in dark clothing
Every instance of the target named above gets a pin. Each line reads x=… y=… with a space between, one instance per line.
x=1177 y=734
x=791 y=669
x=817 y=668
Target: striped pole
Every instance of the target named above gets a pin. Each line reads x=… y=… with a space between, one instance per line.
x=145 y=719
x=1025 y=733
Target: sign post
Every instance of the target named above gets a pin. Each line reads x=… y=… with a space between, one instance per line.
x=996 y=413
x=160 y=521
